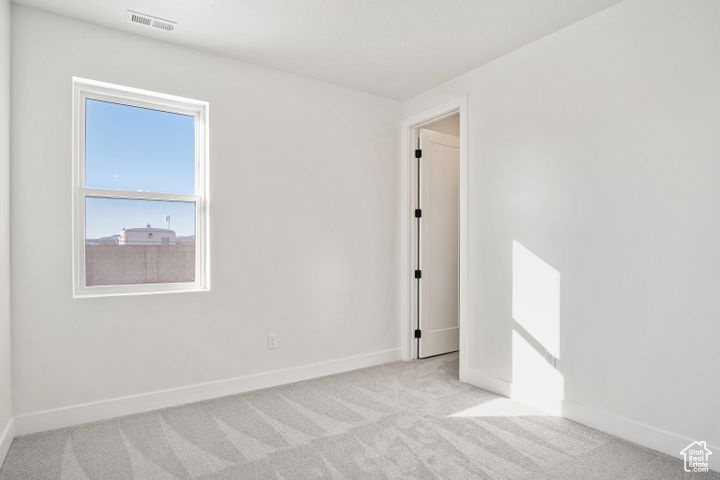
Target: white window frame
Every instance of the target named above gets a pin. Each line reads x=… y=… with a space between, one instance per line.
x=84 y=89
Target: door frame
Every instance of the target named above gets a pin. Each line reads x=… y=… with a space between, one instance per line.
x=408 y=239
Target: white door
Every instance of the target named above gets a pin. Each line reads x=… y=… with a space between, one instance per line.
x=439 y=253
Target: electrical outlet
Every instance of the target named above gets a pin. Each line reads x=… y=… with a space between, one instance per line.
x=272 y=341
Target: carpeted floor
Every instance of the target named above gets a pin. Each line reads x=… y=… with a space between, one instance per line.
x=403 y=420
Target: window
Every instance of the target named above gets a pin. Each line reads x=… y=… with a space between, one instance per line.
x=140 y=197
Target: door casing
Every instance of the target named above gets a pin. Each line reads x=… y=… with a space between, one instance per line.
x=408 y=239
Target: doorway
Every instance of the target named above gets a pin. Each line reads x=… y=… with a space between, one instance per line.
x=410 y=236
x=436 y=246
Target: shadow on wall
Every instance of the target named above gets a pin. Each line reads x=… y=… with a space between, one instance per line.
x=536 y=379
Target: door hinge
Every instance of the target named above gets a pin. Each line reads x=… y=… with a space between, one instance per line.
x=418 y=334
x=418 y=213
x=418 y=274
x=418 y=153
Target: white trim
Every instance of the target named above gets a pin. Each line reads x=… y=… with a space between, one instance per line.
x=487 y=382
x=648 y=436
x=169 y=197
x=534 y=398
x=645 y=435
x=83 y=89
x=6 y=438
x=167 y=102
x=407 y=293
x=132 y=404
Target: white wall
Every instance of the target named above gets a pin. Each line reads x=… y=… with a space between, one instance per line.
x=304 y=237
x=596 y=150
x=5 y=360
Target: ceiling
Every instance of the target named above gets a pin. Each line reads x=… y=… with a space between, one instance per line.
x=393 y=48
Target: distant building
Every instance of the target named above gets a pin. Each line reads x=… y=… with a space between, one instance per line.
x=147 y=236
x=189 y=240
x=111 y=240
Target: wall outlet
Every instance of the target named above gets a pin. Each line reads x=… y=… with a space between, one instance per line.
x=272 y=341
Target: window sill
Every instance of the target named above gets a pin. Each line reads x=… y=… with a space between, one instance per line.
x=114 y=291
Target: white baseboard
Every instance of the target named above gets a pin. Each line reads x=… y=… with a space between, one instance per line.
x=642 y=434
x=6 y=437
x=487 y=382
x=116 y=407
x=645 y=435
x=650 y=437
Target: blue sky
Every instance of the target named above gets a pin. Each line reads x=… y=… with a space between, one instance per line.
x=138 y=149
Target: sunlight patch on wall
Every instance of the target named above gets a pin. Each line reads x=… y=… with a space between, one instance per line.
x=536 y=298
x=535 y=380
x=536 y=334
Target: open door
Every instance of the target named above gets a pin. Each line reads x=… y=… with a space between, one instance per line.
x=438 y=248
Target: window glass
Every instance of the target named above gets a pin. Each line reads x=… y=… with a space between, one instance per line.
x=138 y=241
x=138 y=149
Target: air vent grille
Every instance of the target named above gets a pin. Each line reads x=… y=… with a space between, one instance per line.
x=150 y=21
x=163 y=25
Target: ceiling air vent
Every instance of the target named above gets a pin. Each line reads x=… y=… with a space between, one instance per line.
x=150 y=21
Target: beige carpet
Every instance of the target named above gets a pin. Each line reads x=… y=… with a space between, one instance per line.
x=409 y=420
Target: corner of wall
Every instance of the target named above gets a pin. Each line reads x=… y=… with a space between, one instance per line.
x=7 y=426
x=6 y=438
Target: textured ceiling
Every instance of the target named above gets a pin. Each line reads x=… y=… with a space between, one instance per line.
x=394 y=48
